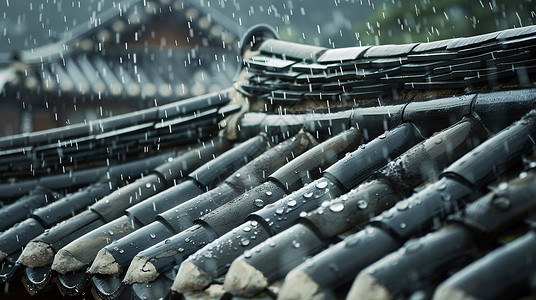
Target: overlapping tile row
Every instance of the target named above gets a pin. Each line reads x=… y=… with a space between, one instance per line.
x=285 y=72
x=110 y=140
x=367 y=193
x=161 y=172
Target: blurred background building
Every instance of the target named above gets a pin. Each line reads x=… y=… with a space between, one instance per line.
x=66 y=62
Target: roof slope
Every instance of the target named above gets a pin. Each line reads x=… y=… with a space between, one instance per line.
x=392 y=154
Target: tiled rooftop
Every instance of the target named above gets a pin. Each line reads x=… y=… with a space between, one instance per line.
x=381 y=172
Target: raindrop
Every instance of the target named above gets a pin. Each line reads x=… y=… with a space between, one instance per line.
x=308 y=195
x=362 y=204
x=270 y=242
x=180 y=250
x=351 y=242
x=258 y=203
x=387 y=214
x=295 y=244
x=244 y=242
x=268 y=193
x=369 y=231
x=254 y=223
x=247 y=229
x=322 y=184
x=503 y=186
x=403 y=225
x=279 y=211
x=402 y=205
x=247 y=254
x=418 y=295
x=148 y=185
x=152 y=235
x=237 y=175
x=442 y=186
x=439 y=141
x=291 y=203
x=110 y=232
x=336 y=207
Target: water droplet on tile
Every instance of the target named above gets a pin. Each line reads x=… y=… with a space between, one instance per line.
x=413 y=246
x=351 y=242
x=402 y=205
x=322 y=184
x=387 y=214
x=336 y=207
x=258 y=203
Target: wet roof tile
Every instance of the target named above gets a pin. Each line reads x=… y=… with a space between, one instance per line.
x=341 y=97
x=342 y=54
x=291 y=50
x=389 y=50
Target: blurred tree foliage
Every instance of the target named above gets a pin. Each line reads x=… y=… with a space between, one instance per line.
x=403 y=21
